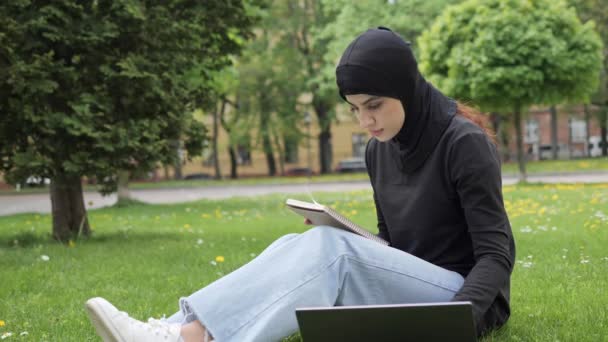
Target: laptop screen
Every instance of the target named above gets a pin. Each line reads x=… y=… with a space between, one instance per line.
x=452 y=321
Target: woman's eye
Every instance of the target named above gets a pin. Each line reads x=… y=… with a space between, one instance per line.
x=374 y=106
x=353 y=109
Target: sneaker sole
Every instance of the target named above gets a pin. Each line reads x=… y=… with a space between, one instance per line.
x=99 y=317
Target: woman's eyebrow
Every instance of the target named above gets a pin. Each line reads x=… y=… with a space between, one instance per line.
x=371 y=98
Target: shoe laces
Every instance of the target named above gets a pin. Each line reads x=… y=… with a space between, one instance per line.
x=156 y=326
x=159 y=327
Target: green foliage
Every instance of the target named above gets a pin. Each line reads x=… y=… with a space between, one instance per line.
x=558 y=285
x=273 y=74
x=91 y=87
x=597 y=11
x=504 y=54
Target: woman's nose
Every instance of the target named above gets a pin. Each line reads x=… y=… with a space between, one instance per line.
x=365 y=120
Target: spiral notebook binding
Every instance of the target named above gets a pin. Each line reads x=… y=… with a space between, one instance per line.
x=348 y=223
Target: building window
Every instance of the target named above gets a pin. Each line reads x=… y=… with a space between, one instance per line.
x=578 y=130
x=243 y=155
x=531 y=132
x=359 y=143
x=291 y=150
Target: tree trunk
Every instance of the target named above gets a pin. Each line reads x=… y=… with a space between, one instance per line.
x=504 y=138
x=233 y=163
x=587 y=125
x=177 y=166
x=325 y=147
x=520 y=145
x=123 y=193
x=216 y=159
x=231 y=150
x=280 y=151
x=166 y=171
x=265 y=110
x=69 y=214
x=603 y=119
x=553 y=111
x=267 y=146
x=497 y=126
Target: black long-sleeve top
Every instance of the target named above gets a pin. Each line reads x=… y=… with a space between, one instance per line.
x=448 y=210
x=437 y=183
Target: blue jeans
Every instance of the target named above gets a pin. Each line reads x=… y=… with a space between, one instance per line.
x=324 y=266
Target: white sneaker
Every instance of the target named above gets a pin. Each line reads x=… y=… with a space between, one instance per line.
x=116 y=326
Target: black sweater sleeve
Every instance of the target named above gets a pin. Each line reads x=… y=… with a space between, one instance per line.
x=382 y=230
x=474 y=168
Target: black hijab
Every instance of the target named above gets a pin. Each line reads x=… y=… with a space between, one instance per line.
x=379 y=62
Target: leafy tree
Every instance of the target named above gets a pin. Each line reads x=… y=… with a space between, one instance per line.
x=510 y=54
x=271 y=79
x=90 y=88
x=295 y=23
x=597 y=10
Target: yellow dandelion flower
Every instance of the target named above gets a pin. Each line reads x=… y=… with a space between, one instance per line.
x=554 y=197
x=71 y=244
x=2 y=323
x=219 y=258
x=205 y=216
x=186 y=226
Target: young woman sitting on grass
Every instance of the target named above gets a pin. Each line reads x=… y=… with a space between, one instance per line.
x=436 y=181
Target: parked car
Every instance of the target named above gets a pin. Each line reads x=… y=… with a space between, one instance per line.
x=351 y=165
x=298 y=171
x=595 y=146
x=197 y=176
x=35 y=181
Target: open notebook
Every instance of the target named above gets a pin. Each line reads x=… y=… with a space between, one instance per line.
x=321 y=215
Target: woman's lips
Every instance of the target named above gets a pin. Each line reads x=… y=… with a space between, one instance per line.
x=376 y=133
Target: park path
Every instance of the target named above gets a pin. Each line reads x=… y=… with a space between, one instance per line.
x=40 y=203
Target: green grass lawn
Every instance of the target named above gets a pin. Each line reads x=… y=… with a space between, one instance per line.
x=143 y=258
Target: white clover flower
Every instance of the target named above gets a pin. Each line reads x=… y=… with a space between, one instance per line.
x=45 y=257
x=199 y=241
x=212 y=262
x=24 y=333
x=6 y=335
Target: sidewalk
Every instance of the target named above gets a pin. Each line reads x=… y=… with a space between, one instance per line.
x=13 y=204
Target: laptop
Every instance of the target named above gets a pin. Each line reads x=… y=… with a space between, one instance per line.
x=428 y=322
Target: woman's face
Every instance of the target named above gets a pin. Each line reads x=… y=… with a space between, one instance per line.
x=382 y=116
